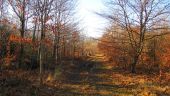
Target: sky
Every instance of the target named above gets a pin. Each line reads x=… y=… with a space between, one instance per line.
x=93 y=24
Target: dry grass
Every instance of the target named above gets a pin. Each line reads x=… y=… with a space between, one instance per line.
x=101 y=81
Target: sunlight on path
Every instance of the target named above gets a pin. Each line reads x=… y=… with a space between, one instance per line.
x=94 y=77
x=105 y=82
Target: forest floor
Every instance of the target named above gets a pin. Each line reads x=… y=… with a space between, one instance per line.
x=93 y=77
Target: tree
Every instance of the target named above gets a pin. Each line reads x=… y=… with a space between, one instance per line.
x=137 y=18
x=21 y=9
x=43 y=8
x=63 y=9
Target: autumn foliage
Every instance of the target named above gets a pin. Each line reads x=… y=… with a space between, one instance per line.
x=155 y=56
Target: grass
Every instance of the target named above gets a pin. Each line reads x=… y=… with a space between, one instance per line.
x=77 y=81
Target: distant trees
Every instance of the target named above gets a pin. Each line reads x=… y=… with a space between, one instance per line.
x=63 y=9
x=138 y=19
x=115 y=46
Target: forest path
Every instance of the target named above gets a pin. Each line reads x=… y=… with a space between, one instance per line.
x=90 y=77
x=97 y=77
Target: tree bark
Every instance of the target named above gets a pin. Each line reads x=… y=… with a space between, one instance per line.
x=54 y=51
x=22 y=32
x=134 y=63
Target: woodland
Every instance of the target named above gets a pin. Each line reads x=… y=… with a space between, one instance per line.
x=44 y=51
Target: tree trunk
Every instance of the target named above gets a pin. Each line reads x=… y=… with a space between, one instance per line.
x=58 y=47
x=64 y=47
x=54 y=51
x=41 y=49
x=21 y=43
x=33 y=35
x=21 y=55
x=40 y=61
x=58 y=54
x=133 y=65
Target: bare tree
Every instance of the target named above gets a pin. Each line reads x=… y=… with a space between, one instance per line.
x=62 y=13
x=141 y=15
x=21 y=9
x=44 y=8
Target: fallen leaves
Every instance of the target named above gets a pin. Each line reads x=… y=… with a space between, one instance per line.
x=99 y=82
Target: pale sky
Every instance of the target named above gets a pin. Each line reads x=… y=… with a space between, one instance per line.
x=93 y=25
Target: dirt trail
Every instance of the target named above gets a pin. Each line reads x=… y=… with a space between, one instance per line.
x=102 y=80
x=92 y=77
